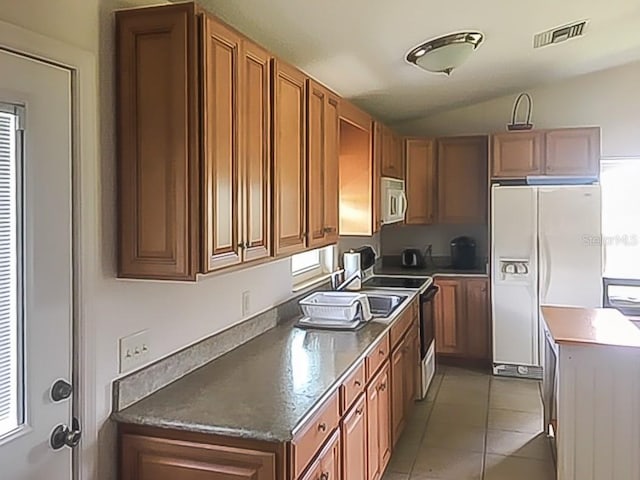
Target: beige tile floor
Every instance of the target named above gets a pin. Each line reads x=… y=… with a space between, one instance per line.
x=474 y=426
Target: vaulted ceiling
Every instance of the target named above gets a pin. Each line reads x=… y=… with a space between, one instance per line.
x=357 y=47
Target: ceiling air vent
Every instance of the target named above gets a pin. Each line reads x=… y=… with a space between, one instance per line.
x=560 y=34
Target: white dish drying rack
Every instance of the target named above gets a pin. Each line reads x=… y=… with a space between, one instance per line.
x=338 y=310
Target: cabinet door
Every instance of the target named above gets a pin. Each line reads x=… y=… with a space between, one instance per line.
x=398 y=385
x=255 y=150
x=354 y=441
x=477 y=321
x=448 y=312
x=462 y=180
x=149 y=458
x=420 y=181
x=359 y=184
x=221 y=134
x=322 y=145
x=331 y=174
x=157 y=153
x=411 y=370
x=373 y=430
x=289 y=159
x=376 y=188
x=384 y=417
x=516 y=154
x=327 y=465
x=573 y=151
x=391 y=155
x=379 y=423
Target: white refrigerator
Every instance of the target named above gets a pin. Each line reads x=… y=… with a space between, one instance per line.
x=546 y=250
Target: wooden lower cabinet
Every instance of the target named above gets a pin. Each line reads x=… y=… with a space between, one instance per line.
x=462 y=318
x=398 y=394
x=354 y=441
x=379 y=423
x=404 y=377
x=153 y=458
x=327 y=465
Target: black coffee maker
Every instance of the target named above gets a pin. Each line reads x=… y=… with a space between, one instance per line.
x=463 y=253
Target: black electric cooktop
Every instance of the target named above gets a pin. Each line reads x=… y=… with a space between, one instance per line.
x=394 y=282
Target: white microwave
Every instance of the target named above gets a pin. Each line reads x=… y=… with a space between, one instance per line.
x=394 y=200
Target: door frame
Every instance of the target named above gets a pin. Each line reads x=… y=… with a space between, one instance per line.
x=83 y=67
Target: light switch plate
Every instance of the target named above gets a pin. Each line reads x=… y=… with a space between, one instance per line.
x=246 y=303
x=135 y=351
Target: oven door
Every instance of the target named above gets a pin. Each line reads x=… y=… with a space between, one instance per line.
x=427 y=329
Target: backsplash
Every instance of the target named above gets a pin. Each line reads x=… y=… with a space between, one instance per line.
x=395 y=238
x=347 y=243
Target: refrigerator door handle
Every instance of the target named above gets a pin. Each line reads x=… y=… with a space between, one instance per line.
x=545 y=254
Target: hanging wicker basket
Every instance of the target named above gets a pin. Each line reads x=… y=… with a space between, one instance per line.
x=527 y=125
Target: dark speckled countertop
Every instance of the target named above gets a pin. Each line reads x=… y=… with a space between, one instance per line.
x=391 y=265
x=264 y=389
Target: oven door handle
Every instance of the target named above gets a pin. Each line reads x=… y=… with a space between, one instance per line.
x=430 y=293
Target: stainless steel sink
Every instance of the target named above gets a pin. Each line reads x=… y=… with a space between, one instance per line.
x=384 y=305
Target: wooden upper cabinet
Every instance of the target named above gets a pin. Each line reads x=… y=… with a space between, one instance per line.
x=194 y=151
x=158 y=155
x=151 y=458
x=354 y=441
x=255 y=150
x=323 y=155
x=392 y=161
x=449 y=312
x=517 y=154
x=573 y=151
x=421 y=181
x=359 y=174
x=289 y=159
x=376 y=177
x=221 y=97
x=236 y=172
x=562 y=152
x=462 y=180
x=477 y=322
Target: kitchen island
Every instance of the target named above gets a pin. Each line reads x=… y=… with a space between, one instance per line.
x=289 y=404
x=592 y=392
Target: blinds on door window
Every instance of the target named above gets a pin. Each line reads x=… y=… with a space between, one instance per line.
x=9 y=304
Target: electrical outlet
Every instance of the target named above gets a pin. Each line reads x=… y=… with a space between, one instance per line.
x=246 y=303
x=135 y=351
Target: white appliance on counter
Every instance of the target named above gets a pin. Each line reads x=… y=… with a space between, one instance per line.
x=546 y=250
x=394 y=200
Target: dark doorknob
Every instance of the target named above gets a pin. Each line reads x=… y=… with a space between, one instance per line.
x=61 y=390
x=63 y=436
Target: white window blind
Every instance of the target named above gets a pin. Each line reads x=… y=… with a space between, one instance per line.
x=10 y=390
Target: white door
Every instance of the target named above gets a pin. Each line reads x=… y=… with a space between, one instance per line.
x=514 y=276
x=570 y=246
x=35 y=266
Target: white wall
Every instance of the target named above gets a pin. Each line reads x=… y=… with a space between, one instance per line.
x=610 y=98
x=176 y=314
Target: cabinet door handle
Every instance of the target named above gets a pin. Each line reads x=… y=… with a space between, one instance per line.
x=324 y=476
x=381 y=352
x=358 y=411
x=383 y=386
x=242 y=245
x=322 y=427
x=358 y=383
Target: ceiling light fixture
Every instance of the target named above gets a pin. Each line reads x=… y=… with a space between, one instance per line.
x=443 y=54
